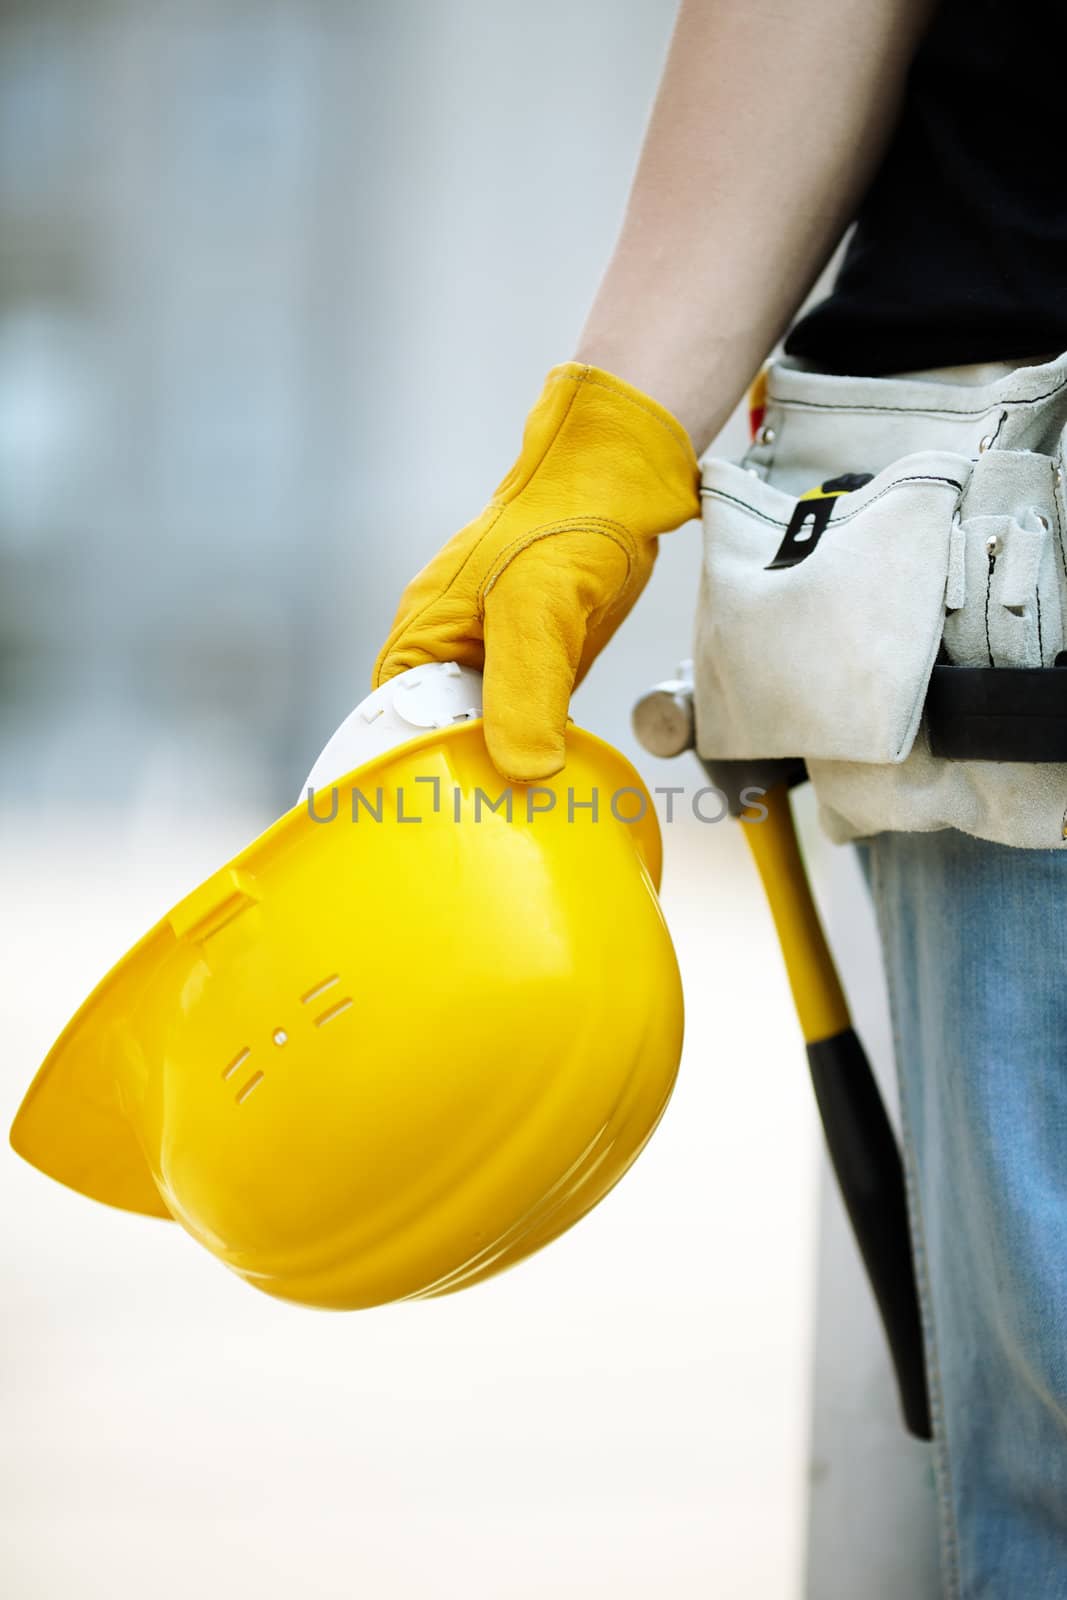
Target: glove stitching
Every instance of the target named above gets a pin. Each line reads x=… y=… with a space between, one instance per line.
x=670 y=426
x=409 y=622
x=499 y=506
x=673 y=428
x=517 y=493
x=615 y=531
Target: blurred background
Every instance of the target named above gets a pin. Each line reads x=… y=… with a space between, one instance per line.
x=278 y=284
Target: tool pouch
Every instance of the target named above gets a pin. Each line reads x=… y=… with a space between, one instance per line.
x=1003 y=598
x=990 y=697
x=821 y=619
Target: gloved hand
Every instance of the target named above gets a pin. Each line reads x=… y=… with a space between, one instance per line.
x=532 y=590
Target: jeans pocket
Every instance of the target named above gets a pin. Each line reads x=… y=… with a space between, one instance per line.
x=820 y=619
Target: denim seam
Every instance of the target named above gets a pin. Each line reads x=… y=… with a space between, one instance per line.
x=942 y=1466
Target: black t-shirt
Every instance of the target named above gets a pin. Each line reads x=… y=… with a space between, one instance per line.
x=960 y=248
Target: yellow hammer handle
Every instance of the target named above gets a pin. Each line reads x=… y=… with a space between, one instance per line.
x=817 y=993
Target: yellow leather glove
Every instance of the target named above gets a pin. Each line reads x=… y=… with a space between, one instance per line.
x=532 y=590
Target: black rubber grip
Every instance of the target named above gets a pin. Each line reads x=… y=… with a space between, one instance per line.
x=866 y=1161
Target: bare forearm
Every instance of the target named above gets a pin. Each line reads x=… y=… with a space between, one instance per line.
x=767 y=125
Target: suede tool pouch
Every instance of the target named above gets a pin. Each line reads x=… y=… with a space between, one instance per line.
x=820 y=618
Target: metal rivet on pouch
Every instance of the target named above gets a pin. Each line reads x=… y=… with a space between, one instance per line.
x=983 y=444
x=766 y=436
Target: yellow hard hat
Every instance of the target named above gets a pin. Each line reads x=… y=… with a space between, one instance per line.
x=408 y=1036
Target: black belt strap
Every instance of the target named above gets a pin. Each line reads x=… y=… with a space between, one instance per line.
x=998 y=713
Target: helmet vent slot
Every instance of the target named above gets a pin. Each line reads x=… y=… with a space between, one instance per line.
x=242 y=1056
x=253 y=1083
x=334 y=1011
x=320 y=988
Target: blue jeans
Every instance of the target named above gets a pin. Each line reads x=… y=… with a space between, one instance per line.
x=975 y=943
